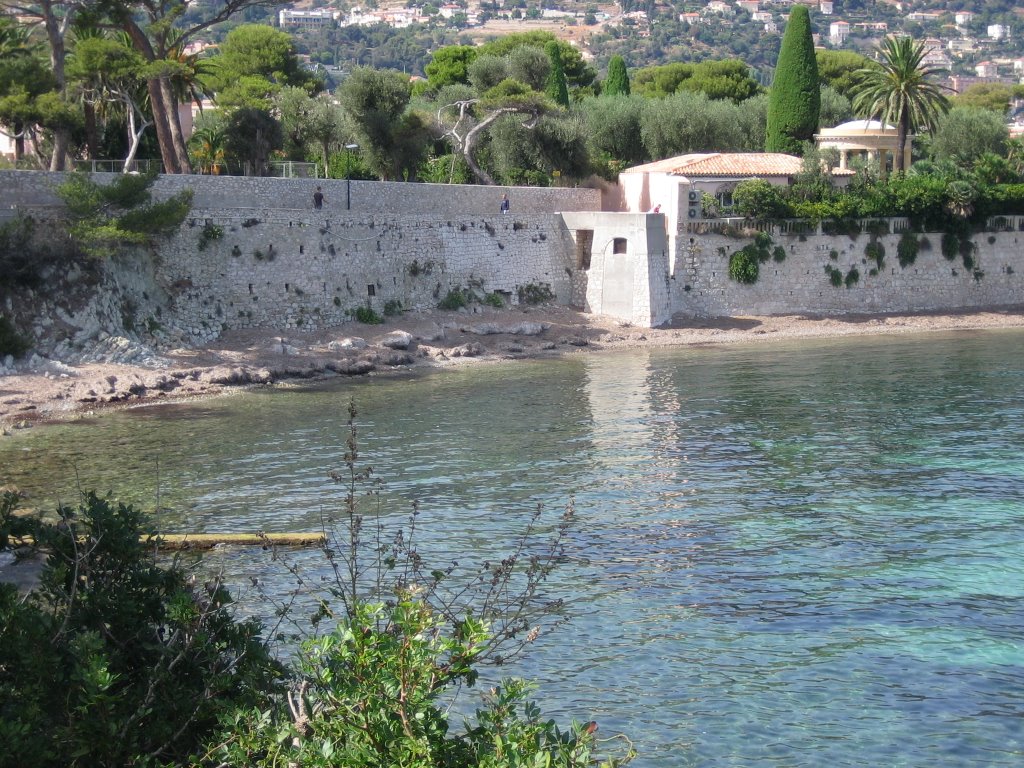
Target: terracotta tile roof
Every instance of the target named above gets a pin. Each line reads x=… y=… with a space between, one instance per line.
x=724 y=164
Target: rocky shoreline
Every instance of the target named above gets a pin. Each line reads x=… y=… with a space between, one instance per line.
x=116 y=371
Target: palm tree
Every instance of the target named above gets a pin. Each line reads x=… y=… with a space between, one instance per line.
x=208 y=148
x=899 y=91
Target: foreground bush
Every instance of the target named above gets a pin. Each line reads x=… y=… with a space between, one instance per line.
x=114 y=660
x=375 y=692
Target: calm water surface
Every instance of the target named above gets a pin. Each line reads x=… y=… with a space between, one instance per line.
x=787 y=555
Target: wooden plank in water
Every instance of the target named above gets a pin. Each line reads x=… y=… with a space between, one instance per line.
x=180 y=541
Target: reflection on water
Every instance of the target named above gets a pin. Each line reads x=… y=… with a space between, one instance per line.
x=789 y=555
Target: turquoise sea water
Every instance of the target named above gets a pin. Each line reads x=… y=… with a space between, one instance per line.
x=795 y=554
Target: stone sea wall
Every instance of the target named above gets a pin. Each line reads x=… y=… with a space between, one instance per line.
x=987 y=272
x=246 y=258
x=313 y=270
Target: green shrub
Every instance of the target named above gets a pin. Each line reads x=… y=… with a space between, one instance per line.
x=495 y=300
x=779 y=253
x=875 y=251
x=392 y=307
x=835 y=276
x=105 y=219
x=950 y=245
x=852 y=277
x=366 y=315
x=21 y=262
x=456 y=298
x=877 y=227
x=209 y=233
x=116 y=660
x=534 y=293
x=849 y=227
x=762 y=240
x=743 y=266
x=11 y=342
x=759 y=199
x=906 y=249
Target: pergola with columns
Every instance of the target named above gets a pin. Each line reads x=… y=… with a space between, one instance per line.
x=864 y=138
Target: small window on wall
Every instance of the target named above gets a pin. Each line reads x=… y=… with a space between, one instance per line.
x=619 y=245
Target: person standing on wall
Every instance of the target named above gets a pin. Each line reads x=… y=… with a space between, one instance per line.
x=504 y=204
x=318 y=199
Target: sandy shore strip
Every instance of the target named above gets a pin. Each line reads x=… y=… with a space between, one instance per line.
x=55 y=390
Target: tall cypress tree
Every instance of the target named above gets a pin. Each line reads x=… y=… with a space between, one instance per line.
x=617 y=82
x=795 y=98
x=556 y=87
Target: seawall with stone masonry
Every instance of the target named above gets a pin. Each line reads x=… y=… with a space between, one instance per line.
x=303 y=270
x=993 y=275
x=279 y=264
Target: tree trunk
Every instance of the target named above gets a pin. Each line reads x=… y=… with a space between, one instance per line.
x=170 y=101
x=134 y=133
x=161 y=121
x=92 y=143
x=901 y=141
x=55 y=30
x=162 y=126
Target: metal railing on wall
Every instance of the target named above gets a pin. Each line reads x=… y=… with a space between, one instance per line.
x=117 y=166
x=282 y=169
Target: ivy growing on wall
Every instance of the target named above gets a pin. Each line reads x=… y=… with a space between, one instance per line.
x=906 y=249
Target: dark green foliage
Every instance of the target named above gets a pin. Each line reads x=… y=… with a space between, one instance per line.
x=392 y=141
x=209 y=233
x=495 y=300
x=556 y=87
x=456 y=298
x=617 y=82
x=762 y=240
x=367 y=315
x=841 y=226
x=835 y=276
x=759 y=199
x=105 y=219
x=11 y=342
x=115 y=660
x=875 y=251
x=779 y=254
x=967 y=253
x=20 y=260
x=840 y=70
x=965 y=134
x=534 y=293
x=950 y=245
x=392 y=307
x=578 y=73
x=743 y=266
x=729 y=79
x=795 y=97
x=450 y=64
x=907 y=248
x=852 y=277
x=251 y=135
